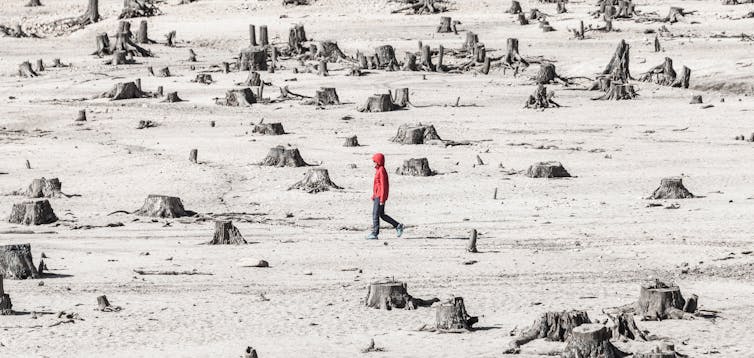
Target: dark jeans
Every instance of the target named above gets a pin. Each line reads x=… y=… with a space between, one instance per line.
x=378 y=212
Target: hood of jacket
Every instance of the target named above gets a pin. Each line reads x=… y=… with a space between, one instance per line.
x=379 y=159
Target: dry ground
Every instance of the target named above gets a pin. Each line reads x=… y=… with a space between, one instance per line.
x=585 y=242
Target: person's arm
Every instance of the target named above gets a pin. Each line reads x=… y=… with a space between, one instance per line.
x=383 y=187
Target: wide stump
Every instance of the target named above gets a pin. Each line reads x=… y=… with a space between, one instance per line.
x=415 y=134
x=162 y=206
x=283 y=157
x=555 y=326
x=37 y=212
x=547 y=170
x=388 y=295
x=226 y=234
x=591 y=341
x=315 y=181
x=268 y=129
x=418 y=167
x=671 y=188
x=658 y=301
x=16 y=262
x=452 y=316
x=44 y=188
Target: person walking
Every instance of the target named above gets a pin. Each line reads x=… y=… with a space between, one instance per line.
x=379 y=198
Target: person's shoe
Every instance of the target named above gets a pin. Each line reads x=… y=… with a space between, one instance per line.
x=399 y=230
x=372 y=236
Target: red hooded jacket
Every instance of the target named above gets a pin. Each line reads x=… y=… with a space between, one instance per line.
x=381 y=183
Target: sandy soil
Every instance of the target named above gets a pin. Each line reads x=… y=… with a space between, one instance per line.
x=586 y=242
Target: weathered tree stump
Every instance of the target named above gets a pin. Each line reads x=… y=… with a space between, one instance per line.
x=40 y=66
x=322 y=68
x=254 y=79
x=451 y=316
x=252 y=35
x=415 y=134
x=170 y=39
x=618 y=91
x=440 y=67
x=192 y=56
x=192 y=155
x=25 y=70
x=226 y=234
x=445 y=26
x=143 y=35
x=663 y=350
x=253 y=58
x=91 y=15
x=162 y=206
x=426 y=59
x=102 y=41
x=388 y=295
x=552 y=326
x=263 y=37
x=410 y=63
x=386 y=58
x=33 y=3
x=560 y=8
x=591 y=340
x=547 y=75
x=471 y=247
x=35 y=212
x=6 y=306
x=658 y=301
x=16 y=262
x=172 y=97
x=676 y=14
x=662 y=74
x=268 y=128
x=102 y=303
x=541 y=99
x=329 y=50
x=123 y=90
x=683 y=80
x=624 y=327
x=400 y=99
x=163 y=72
x=204 y=78
x=377 y=103
x=418 y=167
x=82 y=116
x=315 y=181
x=250 y=353
x=471 y=40
x=547 y=170
x=327 y=96
x=243 y=97
x=512 y=58
x=44 y=188
x=351 y=141
x=283 y=157
x=138 y=8
x=671 y=188
x=696 y=99
x=515 y=8
x=618 y=67
x=296 y=39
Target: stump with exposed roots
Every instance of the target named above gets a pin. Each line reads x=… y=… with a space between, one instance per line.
x=123 y=90
x=315 y=181
x=415 y=134
x=671 y=188
x=377 y=103
x=591 y=340
x=35 y=212
x=269 y=128
x=451 y=316
x=91 y=15
x=515 y=8
x=541 y=99
x=552 y=326
x=547 y=170
x=138 y=8
x=253 y=58
x=16 y=262
x=617 y=91
x=512 y=58
x=418 y=167
x=44 y=188
x=330 y=51
x=226 y=234
x=547 y=75
x=162 y=206
x=243 y=97
x=351 y=141
x=386 y=58
x=283 y=157
x=327 y=96
x=665 y=75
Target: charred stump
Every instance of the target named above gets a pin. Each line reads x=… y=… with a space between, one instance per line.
x=418 y=167
x=547 y=170
x=451 y=316
x=377 y=103
x=226 y=234
x=282 y=157
x=315 y=181
x=671 y=188
x=415 y=134
x=162 y=206
x=44 y=188
x=552 y=326
x=243 y=97
x=35 y=212
x=16 y=263
x=591 y=340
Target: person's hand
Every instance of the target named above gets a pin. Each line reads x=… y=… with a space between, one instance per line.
x=382 y=203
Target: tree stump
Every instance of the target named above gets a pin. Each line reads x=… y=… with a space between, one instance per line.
x=123 y=90
x=418 y=167
x=296 y=39
x=658 y=301
x=400 y=99
x=591 y=340
x=138 y=8
x=322 y=68
x=671 y=188
x=377 y=103
x=415 y=134
x=624 y=327
x=6 y=306
x=268 y=128
x=451 y=316
x=33 y=3
x=44 y=188
x=192 y=155
x=40 y=65
x=91 y=15
x=16 y=262
x=471 y=40
x=386 y=58
x=552 y=326
x=676 y=14
x=35 y=212
x=315 y=181
x=662 y=74
x=663 y=350
x=204 y=78
x=547 y=74
x=388 y=295
x=243 y=97
x=351 y=141
x=541 y=99
x=618 y=67
x=250 y=353
x=683 y=80
x=25 y=70
x=254 y=79
x=252 y=35
x=172 y=97
x=143 y=36
x=515 y=8
x=445 y=27
x=410 y=63
x=471 y=247
x=263 y=38
x=618 y=91
x=82 y=116
x=226 y=234
x=162 y=206
x=561 y=9
x=282 y=157
x=102 y=303
x=253 y=58
x=327 y=96
x=512 y=58
x=547 y=170
x=329 y=50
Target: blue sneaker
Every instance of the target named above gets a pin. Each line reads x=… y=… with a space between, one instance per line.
x=399 y=230
x=372 y=236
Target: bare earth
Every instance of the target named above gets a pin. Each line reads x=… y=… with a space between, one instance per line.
x=585 y=242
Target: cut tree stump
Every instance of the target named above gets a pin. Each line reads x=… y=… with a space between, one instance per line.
x=296 y=39
x=123 y=90
x=143 y=34
x=418 y=167
x=6 y=306
x=263 y=38
x=515 y=8
x=662 y=350
x=451 y=316
x=541 y=99
x=410 y=63
x=547 y=170
x=624 y=327
x=591 y=340
x=163 y=72
x=696 y=99
x=205 y=78
x=250 y=352
x=400 y=98
x=162 y=206
x=389 y=294
x=671 y=188
x=82 y=116
x=618 y=67
x=351 y=141
x=327 y=96
x=254 y=79
x=192 y=56
x=192 y=155
x=283 y=157
x=554 y=326
x=16 y=262
x=102 y=41
x=315 y=181
x=91 y=15
x=330 y=51
x=426 y=59
x=470 y=44
x=659 y=301
x=172 y=97
x=445 y=25
x=322 y=68
x=138 y=8
x=547 y=75
x=512 y=58
x=226 y=234
x=25 y=70
x=33 y=3
x=253 y=58
x=471 y=247
x=268 y=128
x=170 y=39
x=377 y=103
x=243 y=97
x=617 y=91
x=44 y=188
x=415 y=134
x=103 y=305
x=386 y=58
x=36 y=212
x=40 y=65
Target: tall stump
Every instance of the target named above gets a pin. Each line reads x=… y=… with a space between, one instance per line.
x=226 y=234
x=451 y=316
x=16 y=262
x=6 y=307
